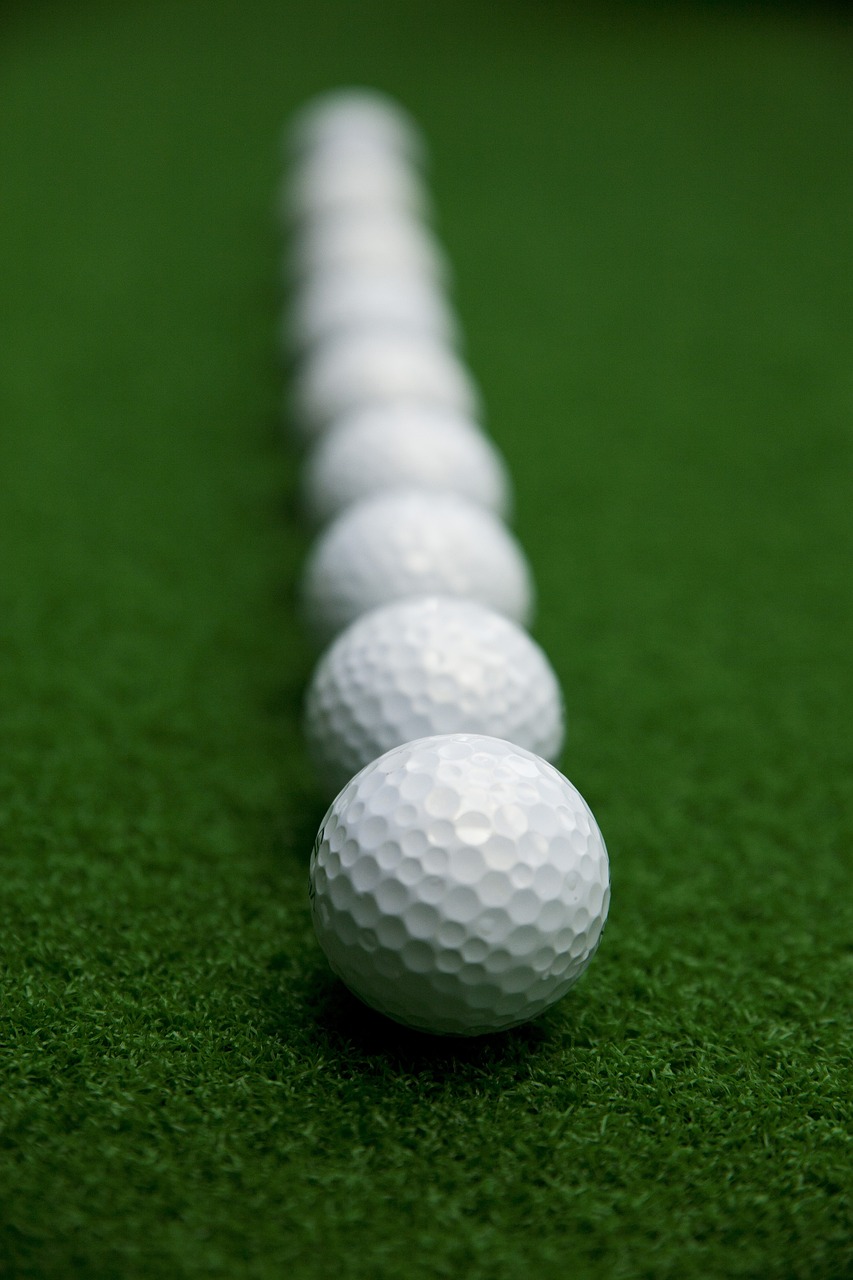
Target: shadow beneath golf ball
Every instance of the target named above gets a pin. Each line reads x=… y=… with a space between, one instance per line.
x=359 y=1035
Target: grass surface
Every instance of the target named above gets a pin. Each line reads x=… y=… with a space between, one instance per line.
x=648 y=212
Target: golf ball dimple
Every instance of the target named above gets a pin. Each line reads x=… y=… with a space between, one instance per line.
x=378 y=367
x=426 y=666
x=398 y=445
x=470 y=930
x=412 y=542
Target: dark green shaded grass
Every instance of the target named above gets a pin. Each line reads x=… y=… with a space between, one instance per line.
x=648 y=213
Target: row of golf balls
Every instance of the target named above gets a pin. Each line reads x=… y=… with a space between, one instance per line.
x=459 y=882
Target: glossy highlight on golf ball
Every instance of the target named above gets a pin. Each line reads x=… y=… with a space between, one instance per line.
x=459 y=885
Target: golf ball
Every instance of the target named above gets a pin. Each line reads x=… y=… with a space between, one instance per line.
x=352 y=116
x=397 y=445
x=386 y=242
x=459 y=884
x=334 y=303
x=412 y=542
x=352 y=180
x=425 y=666
x=378 y=367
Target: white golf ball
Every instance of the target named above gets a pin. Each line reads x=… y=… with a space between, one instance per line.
x=378 y=367
x=400 y=445
x=425 y=666
x=357 y=180
x=385 y=242
x=459 y=885
x=412 y=542
x=354 y=116
x=336 y=303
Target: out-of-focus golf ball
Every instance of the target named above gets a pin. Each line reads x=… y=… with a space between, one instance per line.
x=355 y=180
x=412 y=542
x=459 y=884
x=336 y=303
x=399 y=445
x=378 y=367
x=386 y=242
x=351 y=117
x=425 y=666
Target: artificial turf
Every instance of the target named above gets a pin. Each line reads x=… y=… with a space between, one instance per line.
x=648 y=213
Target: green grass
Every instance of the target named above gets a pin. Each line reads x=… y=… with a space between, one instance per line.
x=648 y=212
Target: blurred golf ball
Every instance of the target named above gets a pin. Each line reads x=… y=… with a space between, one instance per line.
x=374 y=368
x=398 y=445
x=352 y=117
x=337 y=303
x=352 y=180
x=384 y=241
x=412 y=542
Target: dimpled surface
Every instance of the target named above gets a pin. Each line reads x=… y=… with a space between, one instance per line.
x=357 y=370
x=427 y=666
x=397 y=445
x=411 y=542
x=459 y=884
x=335 y=302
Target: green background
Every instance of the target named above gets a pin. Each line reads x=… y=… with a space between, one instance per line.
x=648 y=212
